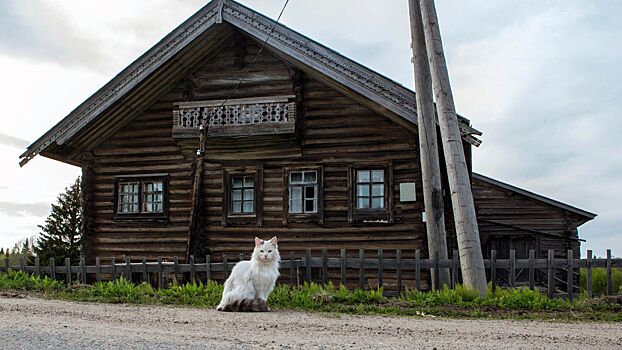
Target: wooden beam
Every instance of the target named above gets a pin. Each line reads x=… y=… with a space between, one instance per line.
x=428 y=148
x=471 y=259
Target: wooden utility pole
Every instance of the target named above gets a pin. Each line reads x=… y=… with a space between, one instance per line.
x=428 y=147
x=471 y=260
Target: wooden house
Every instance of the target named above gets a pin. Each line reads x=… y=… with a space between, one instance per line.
x=311 y=147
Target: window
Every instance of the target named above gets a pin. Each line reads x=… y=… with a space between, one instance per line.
x=303 y=194
x=370 y=189
x=302 y=188
x=242 y=194
x=141 y=196
x=242 y=188
x=371 y=196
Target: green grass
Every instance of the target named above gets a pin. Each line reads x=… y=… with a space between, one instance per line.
x=599 y=280
x=459 y=302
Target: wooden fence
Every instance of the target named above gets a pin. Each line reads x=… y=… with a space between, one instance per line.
x=351 y=268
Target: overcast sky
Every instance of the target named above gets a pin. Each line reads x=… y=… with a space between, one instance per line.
x=540 y=78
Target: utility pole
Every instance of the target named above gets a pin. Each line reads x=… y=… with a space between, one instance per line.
x=471 y=260
x=428 y=148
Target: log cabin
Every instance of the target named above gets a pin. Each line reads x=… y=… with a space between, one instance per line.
x=300 y=142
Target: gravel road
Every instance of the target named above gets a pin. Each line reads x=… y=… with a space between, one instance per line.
x=33 y=323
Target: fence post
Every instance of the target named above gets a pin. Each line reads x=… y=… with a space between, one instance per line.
x=37 y=267
x=113 y=268
x=532 y=275
x=52 y=268
x=549 y=270
x=292 y=268
x=6 y=264
x=609 y=279
x=22 y=263
x=570 y=276
x=225 y=268
x=192 y=269
x=324 y=266
x=512 y=274
x=145 y=273
x=436 y=283
x=128 y=268
x=308 y=265
x=398 y=257
x=83 y=270
x=342 y=262
x=418 y=270
x=588 y=266
x=362 y=269
x=455 y=268
x=208 y=269
x=493 y=270
x=68 y=271
x=175 y=268
x=98 y=269
x=160 y=273
x=380 y=268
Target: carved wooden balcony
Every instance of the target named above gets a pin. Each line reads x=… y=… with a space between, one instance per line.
x=236 y=117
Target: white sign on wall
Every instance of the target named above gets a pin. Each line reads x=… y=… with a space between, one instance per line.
x=408 y=192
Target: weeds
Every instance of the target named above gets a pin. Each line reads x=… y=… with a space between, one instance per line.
x=458 y=302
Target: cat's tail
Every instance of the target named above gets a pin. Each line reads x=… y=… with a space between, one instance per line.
x=246 y=305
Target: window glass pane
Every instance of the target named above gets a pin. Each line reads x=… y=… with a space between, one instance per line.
x=362 y=175
x=295 y=177
x=134 y=208
x=236 y=182
x=377 y=202
x=310 y=206
x=377 y=175
x=236 y=195
x=248 y=194
x=157 y=186
x=248 y=207
x=149 y=187
x=158 y=197
x=310 y=192
x=295 y=206
x=363 y=203
x=310 y=176
x=248 y=181
x=377 y=190
x=157 y=207
x=295 y=192
x=362 y=191
x=237 y=207
x=148 y=207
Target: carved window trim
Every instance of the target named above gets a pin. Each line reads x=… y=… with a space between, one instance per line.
x=228 y=216
x=141 y=180
x=371 y=215
x=318 y=216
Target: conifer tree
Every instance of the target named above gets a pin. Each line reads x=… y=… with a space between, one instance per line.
x=61 y=235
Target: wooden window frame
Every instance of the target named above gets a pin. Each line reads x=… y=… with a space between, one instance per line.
x=370 y=215
x=142 y=215
x=318 y=216
x=256 y=217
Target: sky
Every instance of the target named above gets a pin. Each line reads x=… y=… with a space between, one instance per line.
x=540 y=78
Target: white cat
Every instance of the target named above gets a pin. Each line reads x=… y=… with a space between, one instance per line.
x=250 y=282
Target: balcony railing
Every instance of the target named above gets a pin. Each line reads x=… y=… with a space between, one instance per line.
x=236 y=117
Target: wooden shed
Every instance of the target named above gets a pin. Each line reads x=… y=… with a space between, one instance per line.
x=311 y=147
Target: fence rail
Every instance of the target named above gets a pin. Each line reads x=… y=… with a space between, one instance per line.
x=362 y=269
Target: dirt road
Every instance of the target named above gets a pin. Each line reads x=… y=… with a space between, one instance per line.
x=32 y=323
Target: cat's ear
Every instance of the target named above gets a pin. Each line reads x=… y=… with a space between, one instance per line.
x=258 y=242
x=273 y=240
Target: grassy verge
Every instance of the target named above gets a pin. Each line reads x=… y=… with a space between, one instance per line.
x=460 y=302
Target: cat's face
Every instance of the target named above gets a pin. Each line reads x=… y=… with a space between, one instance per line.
x=266 y=250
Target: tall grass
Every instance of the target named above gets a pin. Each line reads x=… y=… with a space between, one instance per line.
x=599 y=280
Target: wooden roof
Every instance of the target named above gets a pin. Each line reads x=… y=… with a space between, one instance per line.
x=585 y=215
x=147 y=78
